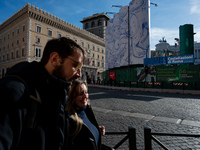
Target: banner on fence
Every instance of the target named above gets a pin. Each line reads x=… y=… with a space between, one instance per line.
x=182 y=73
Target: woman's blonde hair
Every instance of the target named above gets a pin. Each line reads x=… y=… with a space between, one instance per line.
x=73 y=93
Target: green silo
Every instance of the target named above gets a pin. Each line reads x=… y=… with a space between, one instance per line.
x=186 y=36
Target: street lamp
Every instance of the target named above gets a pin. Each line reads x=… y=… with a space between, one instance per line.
x=154 y=4
x=120 y=6
x=110 y=12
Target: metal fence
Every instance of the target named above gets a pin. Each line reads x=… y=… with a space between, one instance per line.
x=131 y=135
x=149 y=136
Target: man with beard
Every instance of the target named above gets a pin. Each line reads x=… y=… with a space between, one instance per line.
x=34 y=95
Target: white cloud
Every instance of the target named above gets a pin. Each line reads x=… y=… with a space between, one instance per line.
x=157 y=33
x=197 y=35
x=195 y=5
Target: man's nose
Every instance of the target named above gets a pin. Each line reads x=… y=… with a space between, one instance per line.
x=78 y=73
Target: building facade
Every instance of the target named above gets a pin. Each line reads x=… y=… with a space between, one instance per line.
x=24 y=35
x=96 y=24
x=164 y=49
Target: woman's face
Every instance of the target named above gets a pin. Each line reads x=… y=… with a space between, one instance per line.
x=81 y=99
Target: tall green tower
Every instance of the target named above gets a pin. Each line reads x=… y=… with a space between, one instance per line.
x=186 y=36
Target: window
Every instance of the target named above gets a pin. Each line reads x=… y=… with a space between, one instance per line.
x=23 y=28
x=38 y=29
x=12 y=55
x=92 y=32
x=23 y=52
x=17 y=30
x=99 y=31
x=98 y=49
x=93 y=48
x=76 y=40
x=3 y=57
x=93 y=63
x=23 y=39
x=13 y=33
x=37 y=40
x=17 y=53
x=7 y=56
x=49 y=32
x=8 y=36
x=102 y=57
x=102 y=50
x=82 y=44
x=86 y=26
x=59 y=35
x=93 y=24
x=93 y=55
x=103 y=65
x=99 y=23
x=88 y=46
x=37 y=52
x=17 y=41
x=98 y=64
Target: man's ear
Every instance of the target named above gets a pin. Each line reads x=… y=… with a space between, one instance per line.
x=54 y=59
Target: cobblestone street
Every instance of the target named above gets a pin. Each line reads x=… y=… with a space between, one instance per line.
x=172 y=113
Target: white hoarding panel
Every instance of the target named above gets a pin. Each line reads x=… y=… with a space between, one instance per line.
x=116 y=27
x=123 y=38
x=139 y=30
x=109 y=44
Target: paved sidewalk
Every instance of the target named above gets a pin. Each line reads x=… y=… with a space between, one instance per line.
x=149 y=117
x=118 y=121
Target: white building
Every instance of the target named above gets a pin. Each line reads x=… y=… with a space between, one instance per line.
x=164 y=49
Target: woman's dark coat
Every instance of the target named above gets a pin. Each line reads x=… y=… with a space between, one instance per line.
x=85 y=139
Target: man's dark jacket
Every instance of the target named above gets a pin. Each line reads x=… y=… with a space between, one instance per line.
x=49 y=128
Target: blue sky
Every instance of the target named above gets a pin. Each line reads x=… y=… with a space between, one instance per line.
x=165 y=19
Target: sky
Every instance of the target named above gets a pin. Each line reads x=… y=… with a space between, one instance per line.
x=165 y=19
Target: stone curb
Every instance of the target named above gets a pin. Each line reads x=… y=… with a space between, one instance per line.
x=194 y=92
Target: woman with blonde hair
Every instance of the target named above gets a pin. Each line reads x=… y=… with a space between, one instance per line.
x=84 y=131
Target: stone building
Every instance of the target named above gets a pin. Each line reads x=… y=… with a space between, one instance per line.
x=96 y=24
x=24 y=35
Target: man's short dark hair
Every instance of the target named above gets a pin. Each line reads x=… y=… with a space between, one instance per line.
x=63 y=46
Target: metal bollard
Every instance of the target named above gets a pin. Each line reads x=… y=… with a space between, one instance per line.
x=132 y=138
x=147 y=138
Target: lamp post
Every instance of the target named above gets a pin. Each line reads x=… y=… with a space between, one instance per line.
x=110 y=12
x=120 y=6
